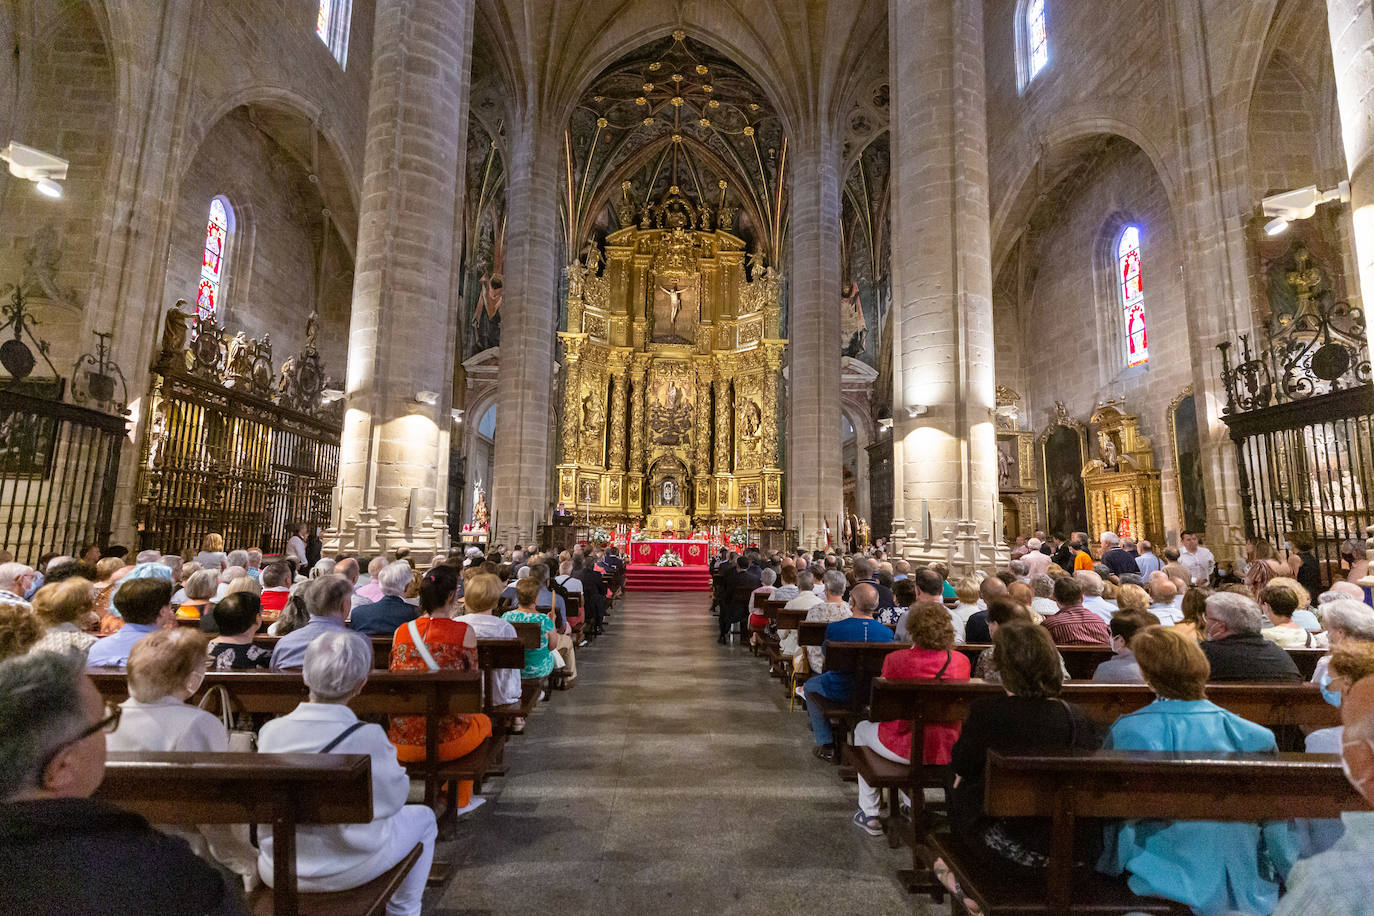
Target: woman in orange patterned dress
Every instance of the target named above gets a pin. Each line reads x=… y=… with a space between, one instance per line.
x=451 y=646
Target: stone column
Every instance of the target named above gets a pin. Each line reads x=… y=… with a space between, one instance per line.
x=394 y=445
x=1352 y=49
x=941 y=270
x=815 y=480
x=528 y=314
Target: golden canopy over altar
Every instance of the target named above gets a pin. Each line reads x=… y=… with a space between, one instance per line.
x=671 y=374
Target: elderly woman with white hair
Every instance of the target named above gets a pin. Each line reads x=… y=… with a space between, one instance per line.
x=344 y=856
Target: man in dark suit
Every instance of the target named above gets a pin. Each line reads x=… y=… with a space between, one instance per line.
x=864 y=568
x=593 y=591
x=1234 y=647
x=561 y=513
x=739 y=585
x=381 y=618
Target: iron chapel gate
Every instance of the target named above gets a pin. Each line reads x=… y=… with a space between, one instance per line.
x=233 y=447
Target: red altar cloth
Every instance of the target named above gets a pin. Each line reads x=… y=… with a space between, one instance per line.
x=646 y=553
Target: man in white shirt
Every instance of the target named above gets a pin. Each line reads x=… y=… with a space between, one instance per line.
x=1037 y=563
x=295 y=547
x=1092 y=594
x=1163 y=603
x=1196 y=559
x=804 y=601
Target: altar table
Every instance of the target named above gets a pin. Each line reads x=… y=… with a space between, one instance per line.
x=646 y=553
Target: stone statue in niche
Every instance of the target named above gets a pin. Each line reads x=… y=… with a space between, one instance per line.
x=1006 y=463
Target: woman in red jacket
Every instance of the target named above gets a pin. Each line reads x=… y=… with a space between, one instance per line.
x=932 y=657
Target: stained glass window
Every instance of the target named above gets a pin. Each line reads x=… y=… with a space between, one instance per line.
x=1132 y=297
x=212 y=263
x=1037 y=39
x=331 y=25
x=322 y=20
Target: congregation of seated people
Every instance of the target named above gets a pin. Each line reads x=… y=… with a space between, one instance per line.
x=1171 y=621
x=164 y=621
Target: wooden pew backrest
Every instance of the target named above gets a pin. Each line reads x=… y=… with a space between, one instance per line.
x=1170 y=785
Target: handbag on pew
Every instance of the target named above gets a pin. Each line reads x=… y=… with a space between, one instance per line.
x=241 y=740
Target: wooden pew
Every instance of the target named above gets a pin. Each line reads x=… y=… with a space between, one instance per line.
x=283 y=790
x=1064 y=786
x=921 y=701
x=386 y=693
x=1082 y=661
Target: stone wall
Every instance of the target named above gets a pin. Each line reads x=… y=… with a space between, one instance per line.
x=1072 y=339
x=67 y=109
x=272 y=267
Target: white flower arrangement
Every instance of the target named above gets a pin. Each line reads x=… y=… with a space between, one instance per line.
x=669 y=558
x=739 y=537
x=639 y=535
x=598 y=536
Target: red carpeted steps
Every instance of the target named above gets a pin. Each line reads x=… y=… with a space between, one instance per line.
x=667 y=579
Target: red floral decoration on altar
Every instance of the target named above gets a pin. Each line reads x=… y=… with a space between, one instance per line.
x=693 y=551
x=643 y=550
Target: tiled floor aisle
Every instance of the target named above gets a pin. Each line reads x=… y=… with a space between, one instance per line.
x=672 y=779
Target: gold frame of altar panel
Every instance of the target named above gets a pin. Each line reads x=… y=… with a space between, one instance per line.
x=1125 y=484
x=617 y=423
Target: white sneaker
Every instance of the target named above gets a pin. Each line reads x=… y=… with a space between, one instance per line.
x=477 y=802
x=798 y=691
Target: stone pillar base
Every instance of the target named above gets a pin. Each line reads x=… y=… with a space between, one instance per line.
x=367 y=535
x=959 y=545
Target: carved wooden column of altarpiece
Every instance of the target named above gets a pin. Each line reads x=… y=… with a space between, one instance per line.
x=1016 y=483
x=673 y=341
x=1121 y=483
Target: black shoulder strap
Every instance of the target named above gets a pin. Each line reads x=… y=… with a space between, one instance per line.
x=341 y=736
x=940 y=675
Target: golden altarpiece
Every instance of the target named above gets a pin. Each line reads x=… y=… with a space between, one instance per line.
x=671 y=376
x=1121 y=483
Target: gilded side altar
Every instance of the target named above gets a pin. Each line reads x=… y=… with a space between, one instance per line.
x=671 y=375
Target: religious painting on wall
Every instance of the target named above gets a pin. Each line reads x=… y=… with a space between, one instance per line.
x=1064 y=502
x=866 y=284
x=671 y=402
x=675 y=311
x=484 y=241
x=1192 y=498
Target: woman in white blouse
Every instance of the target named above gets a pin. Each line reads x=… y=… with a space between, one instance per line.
x=341 y=857
x=165 y=669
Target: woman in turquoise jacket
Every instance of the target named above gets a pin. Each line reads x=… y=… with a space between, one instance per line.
x=1214 y=867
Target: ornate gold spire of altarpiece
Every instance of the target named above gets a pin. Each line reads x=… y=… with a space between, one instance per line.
x=671 y=374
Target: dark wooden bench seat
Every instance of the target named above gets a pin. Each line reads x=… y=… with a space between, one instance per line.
x=922 y=701
x=283 y=790
x=1068 y=785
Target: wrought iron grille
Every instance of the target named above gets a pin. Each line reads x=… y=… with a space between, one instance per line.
x=58 y=467
x=229 y=452
x=1300 y=411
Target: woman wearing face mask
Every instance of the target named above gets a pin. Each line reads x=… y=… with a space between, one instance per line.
x=1338 y=880
x=1347 y=620
x=165 y=669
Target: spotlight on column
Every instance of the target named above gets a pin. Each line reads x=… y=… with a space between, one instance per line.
x=330 y=395
x=457 y=415
x=43 y=169
x=1289 y=206
x=427 y=397
x=917 y=410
